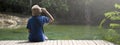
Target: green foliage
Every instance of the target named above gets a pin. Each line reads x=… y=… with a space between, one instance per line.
x=114 y=25
x=24 y=3
x=112 y=35
x=57 y=4
x=115 y=18
x=110 y=14
x=101 y=23
x=113 y=15
x=117 y=6
x=47 y=3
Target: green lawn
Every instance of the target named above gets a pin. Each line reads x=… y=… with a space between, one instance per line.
x=56 y=32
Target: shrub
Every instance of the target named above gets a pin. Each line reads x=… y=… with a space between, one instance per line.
x=112 y=36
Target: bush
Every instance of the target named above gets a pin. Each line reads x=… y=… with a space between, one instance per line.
x=112 y=36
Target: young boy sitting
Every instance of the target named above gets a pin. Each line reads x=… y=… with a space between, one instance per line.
x=36 y=22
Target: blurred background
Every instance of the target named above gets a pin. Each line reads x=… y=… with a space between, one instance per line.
x=88 y=19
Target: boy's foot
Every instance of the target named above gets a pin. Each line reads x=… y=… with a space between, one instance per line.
x=46 y=38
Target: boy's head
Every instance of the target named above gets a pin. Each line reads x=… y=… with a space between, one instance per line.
x=36 y=10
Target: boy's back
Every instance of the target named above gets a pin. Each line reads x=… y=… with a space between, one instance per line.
x=35 y=26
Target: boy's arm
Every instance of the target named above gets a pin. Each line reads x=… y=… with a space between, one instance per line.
x=48 y=14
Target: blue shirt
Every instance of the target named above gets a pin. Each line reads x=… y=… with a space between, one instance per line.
x=35 y=25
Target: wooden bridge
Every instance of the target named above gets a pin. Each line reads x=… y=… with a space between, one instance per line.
x=56 y=42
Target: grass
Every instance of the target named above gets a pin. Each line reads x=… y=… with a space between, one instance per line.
x=58 y=32
x=73 y=32
x=13 y=34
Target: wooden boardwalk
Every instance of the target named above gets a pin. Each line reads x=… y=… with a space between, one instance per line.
x=56 y=42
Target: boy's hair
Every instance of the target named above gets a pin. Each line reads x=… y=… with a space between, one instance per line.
x=36 y=7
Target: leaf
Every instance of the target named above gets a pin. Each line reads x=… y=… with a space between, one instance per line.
x=115 y=18
x=111 y=14
x=114 y=25
x=117 y=6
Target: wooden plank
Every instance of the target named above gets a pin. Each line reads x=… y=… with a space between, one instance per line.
x=74 y=42
x=90 y=42
x=57 y=42
x=84 y=42
x=81 y=42
x=70 y=42
x=64 y=42
x=104 y=42
x=109 y=43
x=49 y=42
x=98 y=42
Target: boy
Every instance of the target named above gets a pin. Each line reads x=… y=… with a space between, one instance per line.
x=36 y=22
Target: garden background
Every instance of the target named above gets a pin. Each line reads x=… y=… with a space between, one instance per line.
x=74 y=19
